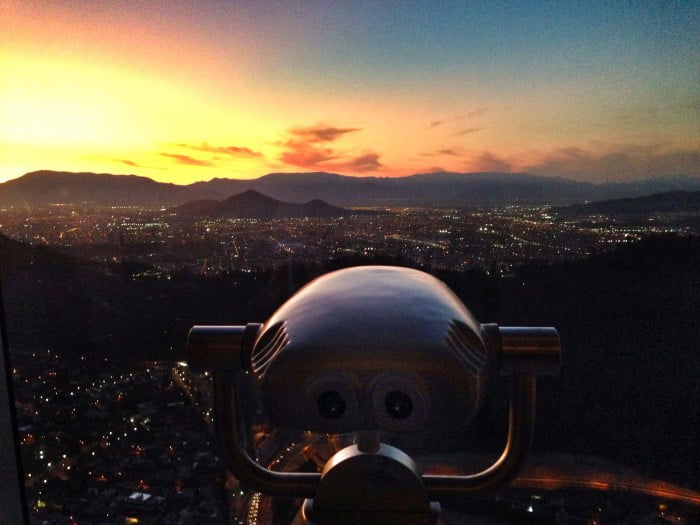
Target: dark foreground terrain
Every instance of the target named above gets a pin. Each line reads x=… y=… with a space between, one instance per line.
x=628 y=321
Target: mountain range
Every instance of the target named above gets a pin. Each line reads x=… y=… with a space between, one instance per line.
x=42 y=188
x=255 y=205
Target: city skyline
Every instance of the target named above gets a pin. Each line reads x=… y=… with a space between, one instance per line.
x=181 y=92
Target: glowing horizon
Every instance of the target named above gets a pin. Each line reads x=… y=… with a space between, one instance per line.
x=181 y=92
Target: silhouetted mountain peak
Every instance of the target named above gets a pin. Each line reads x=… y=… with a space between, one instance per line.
x=250 y=196
x=253 y=204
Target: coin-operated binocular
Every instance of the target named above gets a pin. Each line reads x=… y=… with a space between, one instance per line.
x=363 y=350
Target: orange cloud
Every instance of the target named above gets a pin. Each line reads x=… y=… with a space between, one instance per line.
x=361 y=163
x=233 y=151
x=304 y=155
x=135 y=164
x=187 y=160
x=321 y=133
x=129 y=163
x=308 y=147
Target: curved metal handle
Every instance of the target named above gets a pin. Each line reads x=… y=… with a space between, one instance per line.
x=521 y=427
x=253 y=475
x=223 y=350
x=522 y=353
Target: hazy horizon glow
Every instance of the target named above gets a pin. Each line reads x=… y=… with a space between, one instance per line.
x=186 y=91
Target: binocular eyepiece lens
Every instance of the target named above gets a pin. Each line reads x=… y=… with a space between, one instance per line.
x=331 y=405
x=398 y=405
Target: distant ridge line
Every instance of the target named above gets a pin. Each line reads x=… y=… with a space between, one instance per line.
x=676 y=201
x=45 y=187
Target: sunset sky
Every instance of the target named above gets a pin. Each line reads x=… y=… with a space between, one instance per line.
x=185 y=91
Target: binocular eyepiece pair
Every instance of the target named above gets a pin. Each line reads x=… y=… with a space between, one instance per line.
x=371 y=349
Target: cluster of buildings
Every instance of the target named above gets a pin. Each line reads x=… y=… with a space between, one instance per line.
x=494 y=239
x=103 y=443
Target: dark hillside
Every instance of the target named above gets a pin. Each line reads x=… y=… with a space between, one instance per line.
x=629 y=327
x=669 y=202
x=628 y=321
x=54 y=301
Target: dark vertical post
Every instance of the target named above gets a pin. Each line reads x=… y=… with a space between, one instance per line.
x=13 y=503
